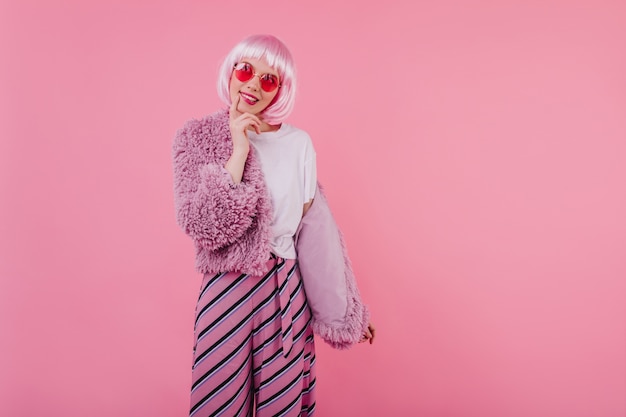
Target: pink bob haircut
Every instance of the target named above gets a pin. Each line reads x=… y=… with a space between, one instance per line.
x=275 y=53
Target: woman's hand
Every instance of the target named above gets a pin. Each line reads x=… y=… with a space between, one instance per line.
x=369 y=334
x=239 y=124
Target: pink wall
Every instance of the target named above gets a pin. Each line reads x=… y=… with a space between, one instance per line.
x=475 y=157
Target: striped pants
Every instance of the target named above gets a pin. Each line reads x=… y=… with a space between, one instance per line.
x=253 y=351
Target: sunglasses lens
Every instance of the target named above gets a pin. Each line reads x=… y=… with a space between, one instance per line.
x=269 y=82
x=243 y=71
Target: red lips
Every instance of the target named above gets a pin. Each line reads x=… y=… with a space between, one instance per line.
x=249 y=98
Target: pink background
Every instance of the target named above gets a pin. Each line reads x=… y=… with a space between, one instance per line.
x=474 y=155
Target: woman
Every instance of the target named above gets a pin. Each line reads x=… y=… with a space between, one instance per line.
x=244 y=179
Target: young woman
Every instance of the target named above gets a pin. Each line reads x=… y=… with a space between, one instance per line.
x=244 y=179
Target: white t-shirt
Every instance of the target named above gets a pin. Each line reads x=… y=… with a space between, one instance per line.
x=287 y=159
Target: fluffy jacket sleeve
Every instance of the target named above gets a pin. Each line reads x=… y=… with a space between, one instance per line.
x=339 y=315
x=210 y=208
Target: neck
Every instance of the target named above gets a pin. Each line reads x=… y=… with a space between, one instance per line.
x=266 y=127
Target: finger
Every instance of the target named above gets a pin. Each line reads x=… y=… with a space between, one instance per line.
x=366 y=336
x=373 y=333
x=247 y=117
x=255 y=118
x=250 y=120
x=233 y=107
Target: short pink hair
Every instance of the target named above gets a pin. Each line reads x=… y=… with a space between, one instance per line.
x=275 y=53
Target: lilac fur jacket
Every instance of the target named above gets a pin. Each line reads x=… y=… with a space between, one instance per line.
x=230 y=226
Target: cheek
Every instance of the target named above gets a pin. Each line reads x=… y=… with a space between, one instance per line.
x=233 y=87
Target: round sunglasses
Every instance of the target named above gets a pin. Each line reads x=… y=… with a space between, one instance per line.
x=245 y=72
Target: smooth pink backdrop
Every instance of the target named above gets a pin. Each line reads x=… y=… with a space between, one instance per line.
x=474 y=154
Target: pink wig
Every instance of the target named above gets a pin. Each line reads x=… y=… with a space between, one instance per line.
x=275 y=53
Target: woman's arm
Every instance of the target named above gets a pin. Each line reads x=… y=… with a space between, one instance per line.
x=238 y=124
x=306 y=207
x=211 y=207
x=339 y=315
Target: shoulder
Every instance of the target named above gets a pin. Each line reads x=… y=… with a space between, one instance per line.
x=197 y=131
x=293 y=131
x=298 y=135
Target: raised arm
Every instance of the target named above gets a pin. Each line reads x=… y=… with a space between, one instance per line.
x=210 y=206
x=239 y=123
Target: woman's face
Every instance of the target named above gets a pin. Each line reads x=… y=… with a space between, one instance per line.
x=252 y=98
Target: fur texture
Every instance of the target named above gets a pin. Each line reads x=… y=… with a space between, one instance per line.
x=339 y=315
x=348 y=332
x=229 y=223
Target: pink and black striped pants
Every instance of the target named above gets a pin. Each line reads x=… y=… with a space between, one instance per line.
x=253 y=350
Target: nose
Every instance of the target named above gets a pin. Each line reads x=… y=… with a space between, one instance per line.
x=254 y=82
